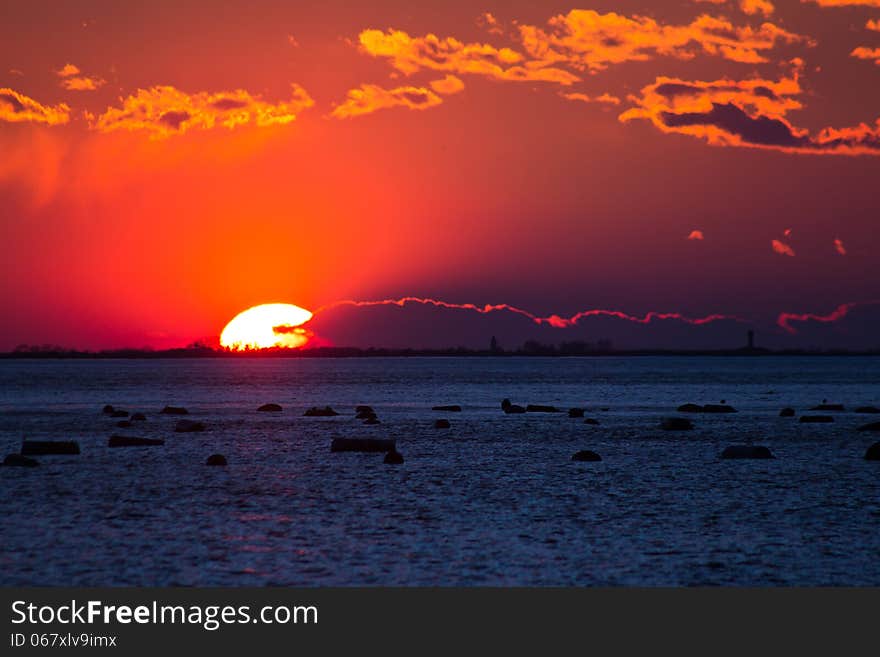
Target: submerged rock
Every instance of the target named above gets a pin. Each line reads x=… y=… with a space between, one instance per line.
x=393 y=458
x=873 y=426
x=174 y=410
x=867 y=409
x=216 y=459
x=690 y=408
x=514 y=409
x=38 y=447
x=815 y=418
x=452 y=408
x=585 y=455
x=132 y=441
x=320 y=411
x=269 y=408
x=20 y=461
x=540 y=408
x=827 y=407
x=747 y=452
x=676 y=424
x=591 y=420
x=575 y=412
x=786 y=412
x=872 y=453
x=441 y=424
x=362 y=445
x=138 y=417
x=108 y=409
x=188 y=426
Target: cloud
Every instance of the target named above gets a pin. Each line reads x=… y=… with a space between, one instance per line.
x=369 y=98
x=746 y=113
x=448 y=85
x=291 y=40
x=785 y=319
x=489 y=23
x=752 y=7
x=18 y=108
x=787 y=232
x=695 y=235
x=844 y=3
x=73 y=80
x=411 y=54
x=782 y=248
x=873 y=25
x=164 y=111
x=592 y=41
x=605 y=98
x=866 y=53
x=839 y=247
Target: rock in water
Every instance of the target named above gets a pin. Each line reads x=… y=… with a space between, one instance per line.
x=453 y=408
x=867 y=409
x=108 y=409
x=873 y=426
x=514 y=409
x=188 y=426
x=746 y=452
x=393 y=458
x=786 y=412
x=362 y=445
x=828 y=407
x=132 y=441
x=18 y=460
x=119 y=414
x=815 y=418
x=174 y=410
x=540 y=408
x=269 y=408
x=364 y=409
x=873 y=453
x=216 y=459
x=718 y=408
x=123 y=424
x=575 y=412
x=690 y=408
x=585 y=455
x=441 y=424
x=591 y=420
x=505 y=404
x=320 y=411
x=38 y=447
x=372 y=420
x=139 y=417
x=676 y=424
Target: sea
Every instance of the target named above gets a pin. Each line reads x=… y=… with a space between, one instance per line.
x=494 y=500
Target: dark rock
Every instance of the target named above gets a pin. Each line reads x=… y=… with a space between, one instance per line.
x=828 y=407
x=123 y=424
x=873 y=426
x=441 y=424
x=108 y=409
x=585 y=455
x=676 y=424
x=746 y=452
x=318 y=411
x=138 y=417
x=372 y=420
x=690 y=408
x=454 y=408
x=718 y=408
x=216 y=459
x=591 y=420
x=37 y=447
x=131 y=441
x=786 y=412
x=119 y=414
x=604 y=409
x=393 y=458
x=815 y=418
x=365 y=415
x=867 y=409
x=575 y=412
x=270 y=408
x=362 y=445
x=872 y=454
x=538 y=408
x=364 y=409
x=18 y=460
x=514 y=409
x=505 y=404
x=174 y=410
x=188 y=426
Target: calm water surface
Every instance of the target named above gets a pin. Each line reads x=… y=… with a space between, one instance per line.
x=495 y=500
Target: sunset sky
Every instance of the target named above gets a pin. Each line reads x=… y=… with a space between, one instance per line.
x=696 y=167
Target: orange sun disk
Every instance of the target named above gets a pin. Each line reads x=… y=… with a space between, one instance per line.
x=267 y=326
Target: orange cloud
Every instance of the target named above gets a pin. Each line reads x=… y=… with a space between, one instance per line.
x=73 y=80
x=873 y=25
x=369 y=98
x=589 y=40
x=752 y=7
x=16 y=108
x=747 y=113
x=605 y=98
x=696 y=235
x=867 y=53
x=839 y=247
x=489 y=23
x=448 y=85
x=412 y=54
x=845 y=3
x=782 y=248
x=165 y=111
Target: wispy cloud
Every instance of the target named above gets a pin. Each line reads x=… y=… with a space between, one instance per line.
x=15 y=107
x=782 y=248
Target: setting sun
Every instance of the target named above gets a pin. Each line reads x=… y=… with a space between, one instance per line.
x=265 y=326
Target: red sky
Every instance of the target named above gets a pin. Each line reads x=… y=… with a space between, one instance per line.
x=165 y=165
